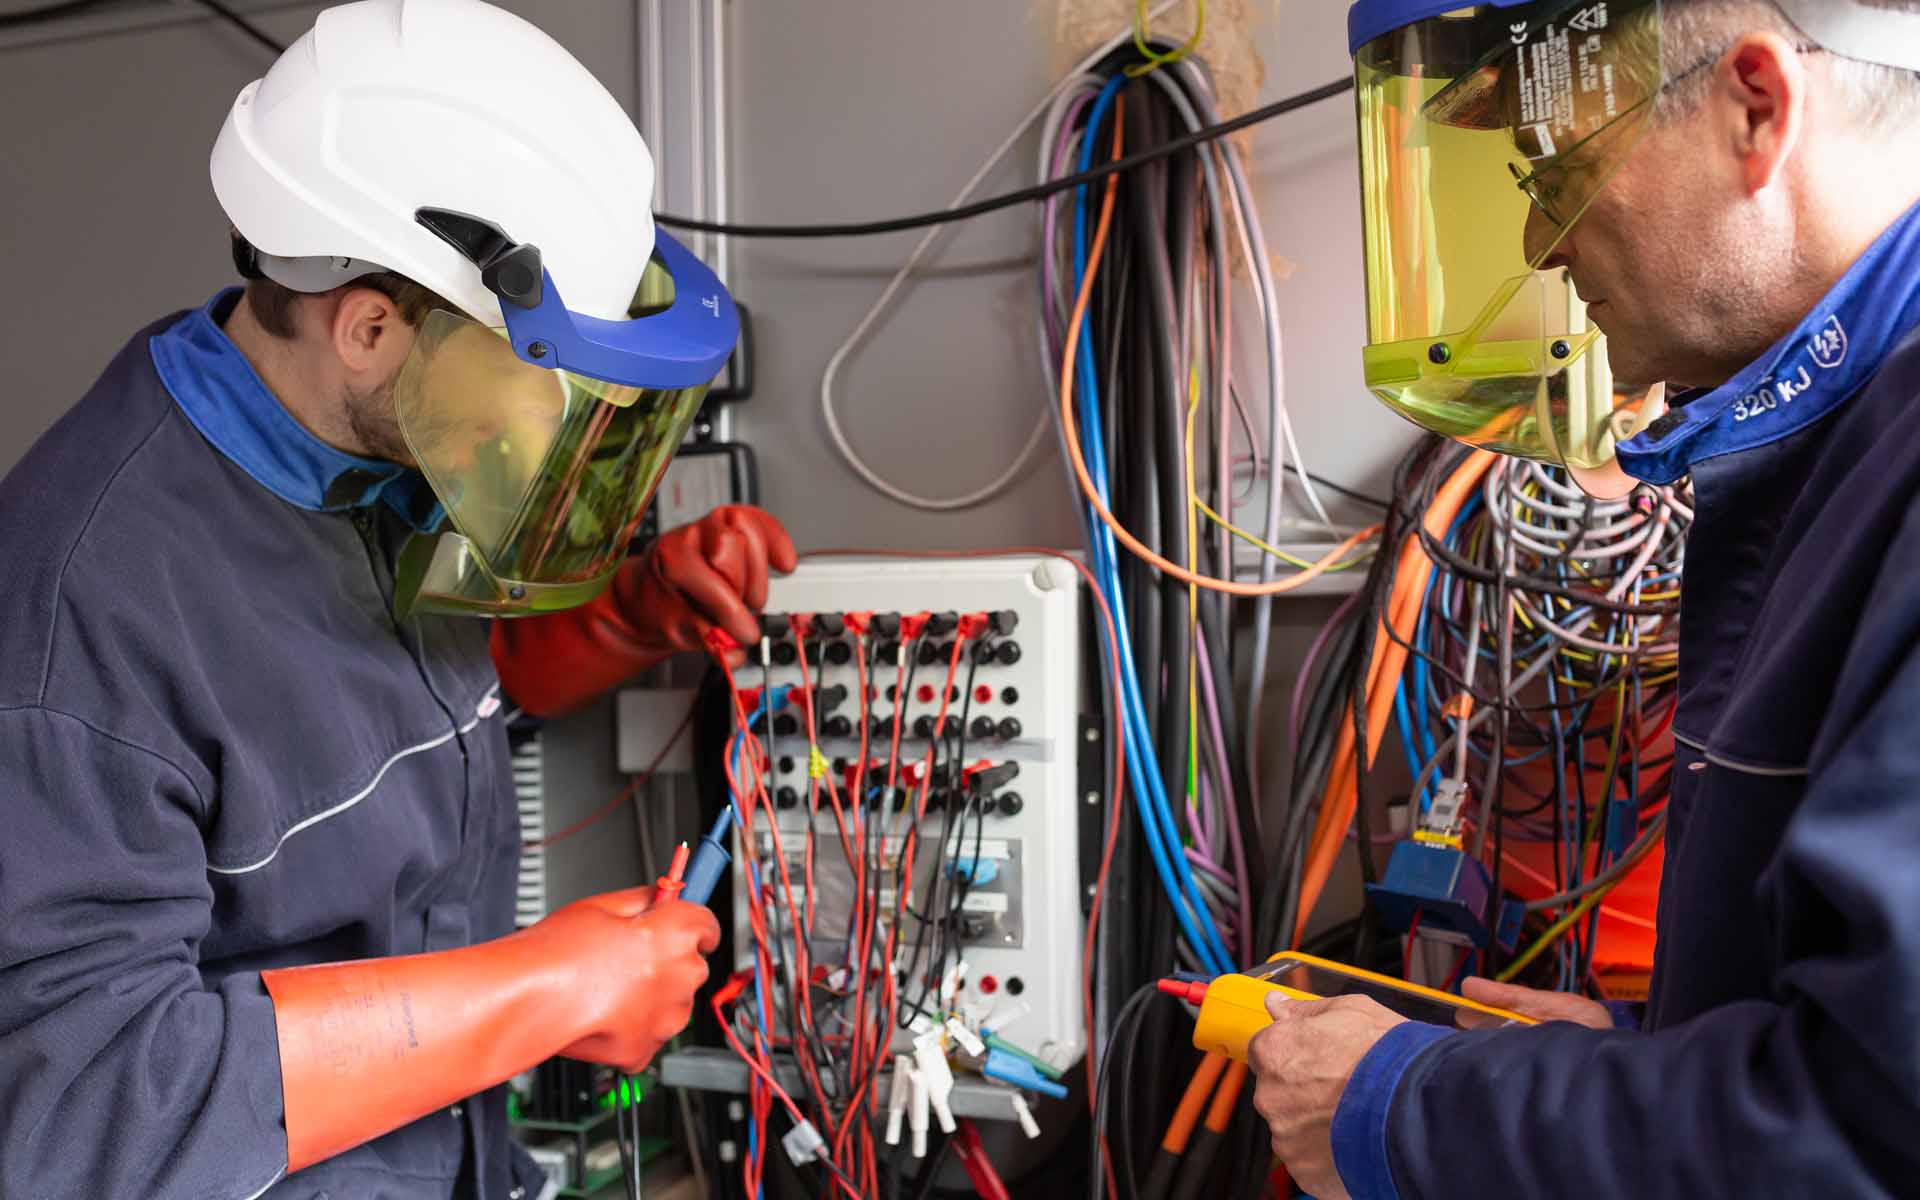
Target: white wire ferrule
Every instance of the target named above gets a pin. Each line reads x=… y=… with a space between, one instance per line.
x=1024 y=1115
x=917 y=1112
x=897 y=1099
x=932 y=1062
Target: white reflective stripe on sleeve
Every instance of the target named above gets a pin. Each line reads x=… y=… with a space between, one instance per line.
x=360 y=795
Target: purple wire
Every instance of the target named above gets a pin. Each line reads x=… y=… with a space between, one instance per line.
x=1049 y=225
x=1198 y=822
x=1306 y=668
x=1199 y=859
x=1212 y=705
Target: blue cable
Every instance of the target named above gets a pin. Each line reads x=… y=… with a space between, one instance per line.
x=1404 y=723
x=1149 y=789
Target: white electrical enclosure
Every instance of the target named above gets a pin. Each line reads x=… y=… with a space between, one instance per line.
x=1008 y=867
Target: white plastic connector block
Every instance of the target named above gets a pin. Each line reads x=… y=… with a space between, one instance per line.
x=803 y=1143
x=897 y=1099
x=932 y=1061
x=1028 y=1125
x=1444 y=815
x=917 y=1113
x=965 y=1037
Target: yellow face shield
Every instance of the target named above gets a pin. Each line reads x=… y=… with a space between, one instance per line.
x=1473 y=123
x=545 y=438
x=543 y=473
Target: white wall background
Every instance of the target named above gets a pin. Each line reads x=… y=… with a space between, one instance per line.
x=870 y=109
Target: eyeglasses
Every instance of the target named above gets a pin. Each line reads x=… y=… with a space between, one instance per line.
x=1546 y=184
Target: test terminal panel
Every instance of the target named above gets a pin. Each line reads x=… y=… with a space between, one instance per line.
x=1008 y=807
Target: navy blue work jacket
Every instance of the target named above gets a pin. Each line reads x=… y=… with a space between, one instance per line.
x=1781 y=1047
x=219 y=754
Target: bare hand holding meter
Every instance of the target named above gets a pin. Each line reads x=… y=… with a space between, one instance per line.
x=1233 y=1007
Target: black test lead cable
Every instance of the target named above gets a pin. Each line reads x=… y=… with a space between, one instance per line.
x=1025 y=195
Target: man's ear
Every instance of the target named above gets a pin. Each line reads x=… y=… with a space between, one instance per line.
x=370 y=336
x=1759 y=101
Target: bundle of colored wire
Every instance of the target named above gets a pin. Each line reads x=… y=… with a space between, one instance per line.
x=830 y=1000
x=1136 y=317
x=1523 y=647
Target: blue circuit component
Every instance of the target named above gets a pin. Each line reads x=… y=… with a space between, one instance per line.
x=975 y=872
x=1447 y=888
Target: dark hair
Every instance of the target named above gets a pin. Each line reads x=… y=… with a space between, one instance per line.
x=272 y=303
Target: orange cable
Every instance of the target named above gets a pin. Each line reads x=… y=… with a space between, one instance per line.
x=1187 y=1114
x=1220 y=1112
x=1388 y=660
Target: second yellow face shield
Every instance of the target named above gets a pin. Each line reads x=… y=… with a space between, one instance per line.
x=1472 y=123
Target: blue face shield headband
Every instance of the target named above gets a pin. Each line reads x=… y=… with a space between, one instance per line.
x=544 y=440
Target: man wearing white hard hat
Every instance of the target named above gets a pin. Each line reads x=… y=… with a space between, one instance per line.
x=275 y=577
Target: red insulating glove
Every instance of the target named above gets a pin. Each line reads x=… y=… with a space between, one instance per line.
x=710 y=574
x=368 y=1046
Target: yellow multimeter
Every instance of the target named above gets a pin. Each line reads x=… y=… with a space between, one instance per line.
x=1234 y=1007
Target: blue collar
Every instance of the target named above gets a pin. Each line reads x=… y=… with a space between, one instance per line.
x=217 y=389
x=1806 y=375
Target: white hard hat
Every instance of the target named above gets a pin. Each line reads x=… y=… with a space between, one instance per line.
x=386 y=107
